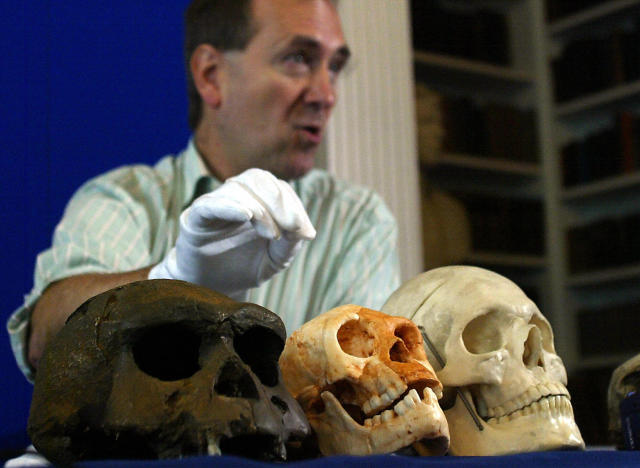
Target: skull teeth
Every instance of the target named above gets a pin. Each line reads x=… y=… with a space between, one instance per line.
x=378 y=402
x=557 y=406
x=408 y=403
x=518 y=404
x=213 y=448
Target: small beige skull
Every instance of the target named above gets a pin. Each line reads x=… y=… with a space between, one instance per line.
x=498 y=355
x=364 y=382
x=625 y=379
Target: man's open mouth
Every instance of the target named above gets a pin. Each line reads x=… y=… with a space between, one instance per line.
x=311 y=132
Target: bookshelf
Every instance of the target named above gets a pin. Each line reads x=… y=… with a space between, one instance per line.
x=526 y=77
x=500 y=181
x=601 y=263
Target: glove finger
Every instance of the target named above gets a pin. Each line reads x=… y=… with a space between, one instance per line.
x=280 y=201
x=260 y=214
x=230 y=205
x=293 y=217
x=214 y=214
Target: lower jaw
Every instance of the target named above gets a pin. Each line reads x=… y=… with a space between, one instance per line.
x=424 y=421
x=528 y=433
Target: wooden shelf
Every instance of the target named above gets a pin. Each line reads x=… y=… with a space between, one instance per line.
x=600 y=277
x=605 y=186
x=582 y=21
x=486 y=163
x=603 y=101
x=460 y=72
x=488 y=176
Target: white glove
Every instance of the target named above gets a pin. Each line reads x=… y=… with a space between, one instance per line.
x=239 y=235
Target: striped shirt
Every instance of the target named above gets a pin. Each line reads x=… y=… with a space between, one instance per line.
x=127 y=219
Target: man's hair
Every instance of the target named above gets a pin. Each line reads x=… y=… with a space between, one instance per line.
x=224 y=24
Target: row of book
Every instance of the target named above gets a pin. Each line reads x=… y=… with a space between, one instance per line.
x=607 y=243
x=590 y=65
x=505 y=225
x=494 y=130
x=608 y=152
x=477 y=35
x=609 y=330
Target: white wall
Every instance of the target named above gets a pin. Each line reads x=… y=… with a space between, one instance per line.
x=371 y=138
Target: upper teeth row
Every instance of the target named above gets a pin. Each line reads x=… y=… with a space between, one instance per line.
x=376 y=402
x=556 y=405
x=531 y=395
x=409 y=402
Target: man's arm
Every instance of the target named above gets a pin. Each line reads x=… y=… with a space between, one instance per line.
x=63 y=297
x=261 y=214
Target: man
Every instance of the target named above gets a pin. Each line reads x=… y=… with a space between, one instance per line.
x=261 y=88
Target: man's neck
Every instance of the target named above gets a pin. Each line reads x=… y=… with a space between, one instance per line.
x=210 y=151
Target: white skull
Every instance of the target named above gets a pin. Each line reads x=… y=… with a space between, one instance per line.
x=365 y=384
x=498 y=355
x=625 y=379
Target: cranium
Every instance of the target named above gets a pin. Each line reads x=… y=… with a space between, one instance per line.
x=625 y=379
x=498 y=356
x=365 y=384
x=164 y=369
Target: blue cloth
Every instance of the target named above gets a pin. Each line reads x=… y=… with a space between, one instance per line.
x=578 y=459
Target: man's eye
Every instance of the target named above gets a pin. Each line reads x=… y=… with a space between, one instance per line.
x=298 y=58
x=337 y=67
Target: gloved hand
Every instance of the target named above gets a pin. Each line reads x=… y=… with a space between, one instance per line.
x=239 y=235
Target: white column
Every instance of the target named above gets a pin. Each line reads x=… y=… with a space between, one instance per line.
x=372 y=138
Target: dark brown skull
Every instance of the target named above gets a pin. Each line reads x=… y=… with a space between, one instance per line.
x=162 y=369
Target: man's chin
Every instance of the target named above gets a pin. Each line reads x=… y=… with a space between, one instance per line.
x=297 y=167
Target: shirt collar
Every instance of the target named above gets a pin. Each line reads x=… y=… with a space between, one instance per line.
x=197 y=180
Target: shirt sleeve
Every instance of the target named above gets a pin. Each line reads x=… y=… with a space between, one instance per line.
x=106 y=228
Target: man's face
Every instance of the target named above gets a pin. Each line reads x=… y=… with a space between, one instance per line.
x=278 y=93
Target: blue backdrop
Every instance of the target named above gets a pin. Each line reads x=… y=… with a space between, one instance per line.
x=84 y=87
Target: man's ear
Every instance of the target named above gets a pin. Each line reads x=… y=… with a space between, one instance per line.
x=205 y=65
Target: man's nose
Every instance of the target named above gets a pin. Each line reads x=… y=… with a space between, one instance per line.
x=322 y=90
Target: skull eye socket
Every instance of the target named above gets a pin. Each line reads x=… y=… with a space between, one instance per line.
x=167 y=352
x=355 y=340
x=260 y=348
x=631 y=380
x=483 y=334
